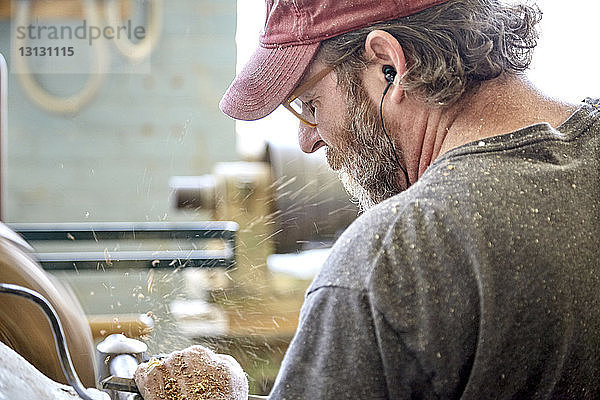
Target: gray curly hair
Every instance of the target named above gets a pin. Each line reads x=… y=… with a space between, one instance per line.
x=450 y=48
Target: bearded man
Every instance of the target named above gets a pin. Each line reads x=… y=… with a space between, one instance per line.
x=473 y=272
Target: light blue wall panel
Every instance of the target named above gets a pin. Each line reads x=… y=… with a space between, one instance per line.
x=113 y=161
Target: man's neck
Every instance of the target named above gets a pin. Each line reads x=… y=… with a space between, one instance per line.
x=499 y=106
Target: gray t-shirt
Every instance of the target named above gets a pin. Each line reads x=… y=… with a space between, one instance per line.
x=482 y=281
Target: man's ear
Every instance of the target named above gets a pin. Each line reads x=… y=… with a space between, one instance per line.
x=381 y=48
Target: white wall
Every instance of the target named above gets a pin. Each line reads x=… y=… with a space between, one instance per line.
x=567 y=57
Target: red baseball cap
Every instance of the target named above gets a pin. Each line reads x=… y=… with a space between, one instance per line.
x=289 y=41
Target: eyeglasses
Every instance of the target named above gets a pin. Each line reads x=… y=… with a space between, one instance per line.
x=303 y=111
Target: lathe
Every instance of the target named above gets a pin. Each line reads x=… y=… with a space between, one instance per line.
x=62 y=351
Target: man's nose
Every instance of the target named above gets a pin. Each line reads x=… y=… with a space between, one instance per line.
x=309 y=139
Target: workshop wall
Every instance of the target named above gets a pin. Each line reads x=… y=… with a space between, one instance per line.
x=113 y=160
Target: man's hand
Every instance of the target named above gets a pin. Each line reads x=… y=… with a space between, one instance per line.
x=194 y=373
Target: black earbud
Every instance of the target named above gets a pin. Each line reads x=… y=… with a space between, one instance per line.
x=389 y=72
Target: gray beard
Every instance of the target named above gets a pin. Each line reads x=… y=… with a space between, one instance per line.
x=358 y=194
x=364 y=160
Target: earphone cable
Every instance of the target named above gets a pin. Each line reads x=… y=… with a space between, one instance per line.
x=388 y=136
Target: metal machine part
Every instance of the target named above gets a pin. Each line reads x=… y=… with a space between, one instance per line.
x=119 y=384
x=118 y=357
x=46 y=238
x=194 y=192
x=240 y=192
x=314 y=208
x=122 y=271
x=305 y=199
x=57 y=331
x=23 y=326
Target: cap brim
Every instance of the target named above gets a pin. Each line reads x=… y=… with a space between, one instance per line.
x=266 y=81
